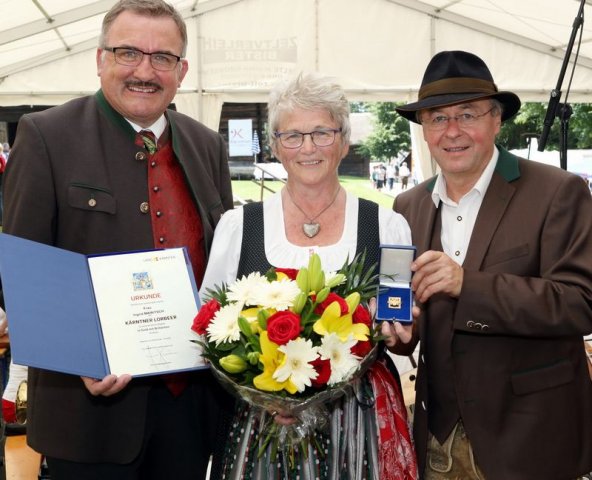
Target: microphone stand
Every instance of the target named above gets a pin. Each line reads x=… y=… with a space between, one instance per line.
x=564 y=114
x=564 y=109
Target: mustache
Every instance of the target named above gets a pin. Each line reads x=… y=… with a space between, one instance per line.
x=132 y=83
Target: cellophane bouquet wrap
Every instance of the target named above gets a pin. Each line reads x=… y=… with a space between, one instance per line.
x=290 y=341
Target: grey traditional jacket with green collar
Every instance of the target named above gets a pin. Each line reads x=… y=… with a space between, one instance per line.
x=84 y=149
x=507 y=355
x=77 y=181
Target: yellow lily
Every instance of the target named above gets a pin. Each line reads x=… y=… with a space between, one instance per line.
x=233 y=364
x=282 y=276
x=251 y=315
x=332 y=321
x=271 y=358
x=352 y=300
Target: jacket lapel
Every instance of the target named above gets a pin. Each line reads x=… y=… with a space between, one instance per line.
x=114 y=116
x=424 y=225
x=496 y=200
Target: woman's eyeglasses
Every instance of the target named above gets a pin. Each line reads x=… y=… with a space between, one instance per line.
x=321 y=138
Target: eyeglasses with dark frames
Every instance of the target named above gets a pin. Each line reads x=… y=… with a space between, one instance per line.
x=132 y=57
x=439 y=122
x=321 y=138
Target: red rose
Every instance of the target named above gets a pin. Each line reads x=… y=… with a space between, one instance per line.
x=291 y=273
x=362 y=315
x=361 y=349
x=204 y=316
x=283 y=327
x=323 y=368
x=332 y=297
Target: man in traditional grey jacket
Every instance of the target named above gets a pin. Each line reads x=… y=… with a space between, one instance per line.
x=112 y=172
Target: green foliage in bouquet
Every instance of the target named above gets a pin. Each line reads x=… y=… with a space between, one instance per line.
x=291 y=332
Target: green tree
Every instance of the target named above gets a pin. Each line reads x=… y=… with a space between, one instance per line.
x=391 y=131
x=358 y=107
x=390 y=135
x=529 y=122
x=580 y=126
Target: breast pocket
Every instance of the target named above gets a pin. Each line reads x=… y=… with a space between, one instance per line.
x=88 y=197
x=510 y=254
x=542 y=378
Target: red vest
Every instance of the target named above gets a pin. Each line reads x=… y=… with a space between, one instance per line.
x=175 y=219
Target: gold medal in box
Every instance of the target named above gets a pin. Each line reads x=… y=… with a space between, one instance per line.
x=395 y=298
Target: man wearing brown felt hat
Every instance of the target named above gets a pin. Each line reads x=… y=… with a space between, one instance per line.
x=503 y=285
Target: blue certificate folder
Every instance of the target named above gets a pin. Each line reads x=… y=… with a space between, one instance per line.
x=52 y=310
x=395 y=297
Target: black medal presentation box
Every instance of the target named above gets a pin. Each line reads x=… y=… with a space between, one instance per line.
x=395 y=298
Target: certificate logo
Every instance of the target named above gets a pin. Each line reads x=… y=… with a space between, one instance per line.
x=142 y=281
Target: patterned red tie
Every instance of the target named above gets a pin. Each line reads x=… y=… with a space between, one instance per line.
x=148 y=141
x=175 y=382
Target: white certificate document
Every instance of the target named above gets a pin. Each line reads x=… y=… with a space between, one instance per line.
x=146 y=303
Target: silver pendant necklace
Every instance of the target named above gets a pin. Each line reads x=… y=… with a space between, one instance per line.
x=312 y=228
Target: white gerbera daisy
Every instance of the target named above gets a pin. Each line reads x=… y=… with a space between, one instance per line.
x=279 y=294
x=296 y=365
x=224 y=326
x=243 y=290
x=343 y=363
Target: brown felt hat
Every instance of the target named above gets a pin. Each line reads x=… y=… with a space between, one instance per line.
x=453 y=77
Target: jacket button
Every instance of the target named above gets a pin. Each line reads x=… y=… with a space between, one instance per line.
x=141 y=156
x=484 y=327
x=470 y=324
x=92 y=202
x=144 y=207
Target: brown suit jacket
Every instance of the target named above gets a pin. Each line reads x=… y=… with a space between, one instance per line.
x=62 y=158
x=512 y=341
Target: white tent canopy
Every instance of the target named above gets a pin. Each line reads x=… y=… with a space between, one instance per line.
x=377 y=49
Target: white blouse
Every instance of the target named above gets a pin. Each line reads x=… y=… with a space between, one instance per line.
x=226 y=247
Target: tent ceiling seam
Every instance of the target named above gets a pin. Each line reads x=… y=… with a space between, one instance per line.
x=475 y=25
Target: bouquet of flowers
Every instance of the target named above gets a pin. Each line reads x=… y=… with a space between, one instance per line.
x=290 y=340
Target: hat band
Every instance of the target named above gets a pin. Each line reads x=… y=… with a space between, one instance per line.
x=449 y=86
